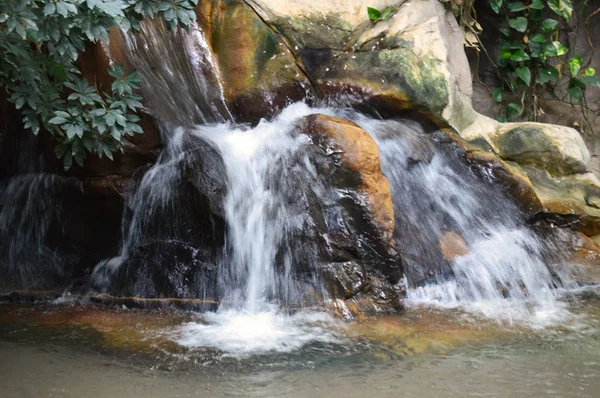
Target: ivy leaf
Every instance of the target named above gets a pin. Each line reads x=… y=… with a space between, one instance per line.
x=519 y=56
x=387 y=13
x=561 y=49
x=519 y=24
x=537 y=5
x=549 y=25
x=498 y=94
x=575 y=65
x=575 y=93
x=524 y=74
x=592 y=81
x=546 y=74
x=539 y=38
x=496 y=5
x=505 y=31
x=564 y=8
x=590 y=72
x=513 y=111
x=374 y=14
x=516 y=6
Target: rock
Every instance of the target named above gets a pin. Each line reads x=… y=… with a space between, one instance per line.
x=453 y=245
x=353 y=214
x=360 y=154
x=570 y=200
x=162 y=269
x=344 y=280
x=580 y=259
x=259 y=72
x=414 y=60
x=558 y=149
x=510 y=177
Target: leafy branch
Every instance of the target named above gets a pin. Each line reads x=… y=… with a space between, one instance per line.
x=40 y=43
x=533 y=59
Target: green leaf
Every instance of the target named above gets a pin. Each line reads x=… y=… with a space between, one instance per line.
x=498 y=94
x=546 y=74
x=524 y=74
x=68 y=161
x=549 y=25
x=591 y=80
x=561 y=49
x=516 y=6
x=564 y=8
x=496 y=5
x=57 y=120
x=513 y=111
x=539 y=38
x=575 y=65
x=505 y=31
x=374 y=14
x=49 y=9
x=575 y=93
x=537 y=5
x=520 y=56
x=387 y=13
x=590 y=72
x=519 y=24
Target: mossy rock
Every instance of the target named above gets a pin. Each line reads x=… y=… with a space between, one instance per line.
x=559 y=150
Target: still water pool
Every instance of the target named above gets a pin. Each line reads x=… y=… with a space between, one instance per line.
x=80 y=350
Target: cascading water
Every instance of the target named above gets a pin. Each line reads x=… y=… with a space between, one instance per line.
x=263 y=267
x=29 y=205
x=181 y=81
x=266 y=168
x=502 y=274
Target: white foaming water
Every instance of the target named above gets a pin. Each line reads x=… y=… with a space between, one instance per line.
x=501 y=277
x=256 y=272
x=503 y=274
x=240 y=333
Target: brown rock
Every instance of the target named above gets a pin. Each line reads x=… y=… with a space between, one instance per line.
x=453 y=245
x=259 y=72
x=359 y=153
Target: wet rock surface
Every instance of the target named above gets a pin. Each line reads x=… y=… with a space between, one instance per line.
x=354 y=225
x=163 y=269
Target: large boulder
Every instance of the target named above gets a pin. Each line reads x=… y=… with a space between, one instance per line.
x=414 y=60
x=354 y=217
x=259 y=72
x=359 y=153
x=557 y=149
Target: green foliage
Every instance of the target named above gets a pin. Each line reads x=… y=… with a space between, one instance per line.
x=376 y=15
x=40 y=42
x=532 y=58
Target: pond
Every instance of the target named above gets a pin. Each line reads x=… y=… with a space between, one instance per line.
x=84 y=350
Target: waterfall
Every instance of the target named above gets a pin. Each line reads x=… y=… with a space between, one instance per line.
x=500 y=270
x=228 y=214
x=29 y=206
x=181 y=84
